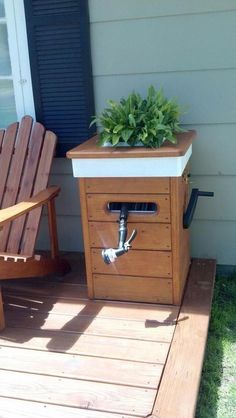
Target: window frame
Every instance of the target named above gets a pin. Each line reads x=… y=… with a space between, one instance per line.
x=19 y=57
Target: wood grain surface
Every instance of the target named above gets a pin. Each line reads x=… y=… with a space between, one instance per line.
x=89 y=149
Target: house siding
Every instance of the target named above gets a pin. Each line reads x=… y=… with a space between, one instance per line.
x=187 y=48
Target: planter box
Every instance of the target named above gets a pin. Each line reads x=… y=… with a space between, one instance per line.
x=156 y=267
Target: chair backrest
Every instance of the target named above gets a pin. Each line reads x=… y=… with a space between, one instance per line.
x=26 y=154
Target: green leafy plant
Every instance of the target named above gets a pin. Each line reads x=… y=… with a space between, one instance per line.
x=135 y=120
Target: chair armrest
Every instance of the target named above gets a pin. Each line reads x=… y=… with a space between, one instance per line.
x=13 y=212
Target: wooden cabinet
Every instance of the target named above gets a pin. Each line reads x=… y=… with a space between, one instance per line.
x=156 y=267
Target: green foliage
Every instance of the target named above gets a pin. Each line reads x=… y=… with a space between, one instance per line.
x=217 y=397
x=150 y=121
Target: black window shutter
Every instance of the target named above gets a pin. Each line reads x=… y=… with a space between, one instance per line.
x=60 y=58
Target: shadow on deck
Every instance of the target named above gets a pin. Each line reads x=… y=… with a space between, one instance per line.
x=65 y=355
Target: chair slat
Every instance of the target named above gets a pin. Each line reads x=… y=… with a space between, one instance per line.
x=41 y=182
x=2 y=132
x=6 y=156
x=27 y=184
x=26 y=154
x=15 y=173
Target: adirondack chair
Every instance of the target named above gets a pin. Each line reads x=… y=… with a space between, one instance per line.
x=26 y=153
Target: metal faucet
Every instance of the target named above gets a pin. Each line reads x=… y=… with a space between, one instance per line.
x=110 y=255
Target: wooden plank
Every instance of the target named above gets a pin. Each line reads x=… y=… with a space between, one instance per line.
x=175 y=234
x=52 y=223
x=180 y=236
x=136 y=263
x=82 y=344
x=35 y=267
x=184 y=364
x=130 y=185
x=100 y=309
x=27 y=409
x=137 y=289
x=144 y=330
x=15 y=174
x=149 y=236
x=146 y=375
x=80 y=394
x=2 y=320
x=2 y=132
x=21 y=208
x=6 y=156
x=84 y=213
x=41 y=182
x=27 y=182
x=64 y=291
x=89 y=149
x=97 y=207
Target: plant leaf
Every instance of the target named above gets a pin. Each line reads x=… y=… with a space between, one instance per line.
x=117 y=128
x=126 y=134
x=115 y=139
x=132 y=120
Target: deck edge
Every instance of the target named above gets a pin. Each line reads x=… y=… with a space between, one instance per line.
x=179 y=386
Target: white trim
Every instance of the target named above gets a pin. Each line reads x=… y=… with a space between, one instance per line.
x=131 y=167
x=6 y=77
x=19 y=55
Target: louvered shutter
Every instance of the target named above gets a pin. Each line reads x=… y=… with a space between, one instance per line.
x=60 y=59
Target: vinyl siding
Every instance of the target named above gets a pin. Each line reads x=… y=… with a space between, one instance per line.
x=187 y=47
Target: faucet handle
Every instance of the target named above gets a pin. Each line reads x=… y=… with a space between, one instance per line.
x=127 y=244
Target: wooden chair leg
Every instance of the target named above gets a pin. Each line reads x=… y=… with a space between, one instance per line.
x=2 y=320
x=52 y=223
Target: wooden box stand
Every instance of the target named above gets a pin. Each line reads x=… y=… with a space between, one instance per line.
x=156 y=267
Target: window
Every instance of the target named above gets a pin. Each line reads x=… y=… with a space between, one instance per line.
x=16 y=97
x=45 y=67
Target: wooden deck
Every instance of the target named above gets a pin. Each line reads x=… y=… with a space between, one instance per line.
x=65 y=356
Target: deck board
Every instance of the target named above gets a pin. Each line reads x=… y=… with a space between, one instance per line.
x=118 y=328
x=100 y=309
x=64 y=355
x=91 y=345
x=186 y=355
x=94 y=369
x=42 y=288
x=77 y=393
x=41 y=410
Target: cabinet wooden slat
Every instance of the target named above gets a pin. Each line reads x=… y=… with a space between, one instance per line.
x=128 y=185
x=135 y=263
x=141 y=289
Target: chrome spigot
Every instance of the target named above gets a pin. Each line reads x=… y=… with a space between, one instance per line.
x=110 y=255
